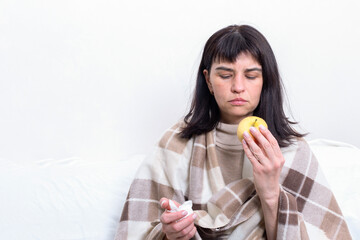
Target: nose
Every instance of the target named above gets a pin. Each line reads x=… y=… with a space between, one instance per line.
x=238 y=84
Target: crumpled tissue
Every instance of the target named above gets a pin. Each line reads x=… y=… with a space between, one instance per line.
x=187 y=206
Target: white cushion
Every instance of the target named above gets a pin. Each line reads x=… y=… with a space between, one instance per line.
x=63 y=199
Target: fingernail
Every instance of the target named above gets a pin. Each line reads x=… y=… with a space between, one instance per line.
x=162 y=203
x=194 y=216
x=252 y=129
x=262 y=127
x=184 y=213
x=246 y=135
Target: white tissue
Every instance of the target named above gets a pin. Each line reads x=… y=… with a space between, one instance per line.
x=187 y=206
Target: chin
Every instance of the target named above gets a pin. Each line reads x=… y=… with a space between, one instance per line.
x=234 y=117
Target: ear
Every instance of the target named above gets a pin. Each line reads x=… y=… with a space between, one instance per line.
x=207 y=78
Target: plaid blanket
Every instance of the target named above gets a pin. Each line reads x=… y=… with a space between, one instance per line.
x=182 y=169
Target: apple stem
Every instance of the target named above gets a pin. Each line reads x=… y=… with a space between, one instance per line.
x=254 y=122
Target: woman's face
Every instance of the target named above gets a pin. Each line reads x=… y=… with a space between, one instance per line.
x=236 y=87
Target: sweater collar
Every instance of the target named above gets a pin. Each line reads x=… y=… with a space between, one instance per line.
x=226 y=137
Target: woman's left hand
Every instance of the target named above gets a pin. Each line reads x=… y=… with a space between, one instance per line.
x=267 y=160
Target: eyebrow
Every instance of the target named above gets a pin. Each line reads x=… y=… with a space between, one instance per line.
x=224 y=68
x=253 y=69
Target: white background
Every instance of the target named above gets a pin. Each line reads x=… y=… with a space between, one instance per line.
x=104 y=79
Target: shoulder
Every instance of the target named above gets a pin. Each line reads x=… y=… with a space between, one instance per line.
x=297 y=144
x=171 y=139
x=299 y=150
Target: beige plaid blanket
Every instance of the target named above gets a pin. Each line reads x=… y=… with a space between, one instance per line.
x=181 y=170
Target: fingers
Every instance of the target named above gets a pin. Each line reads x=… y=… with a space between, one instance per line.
x=174 y=224
x=189 y=235
x=192 y=233
x=265 y=140
x=272 y=141
x=265 y=150
x=255 y=162
x=178 y=229
x=271 y=148
x=270 y=138
x=252 y=150
x=169 y=217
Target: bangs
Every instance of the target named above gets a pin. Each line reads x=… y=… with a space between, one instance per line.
x=231 y=45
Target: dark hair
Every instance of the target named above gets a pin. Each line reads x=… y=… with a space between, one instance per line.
x=225 y=45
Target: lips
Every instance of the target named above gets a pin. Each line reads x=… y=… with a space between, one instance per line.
x=238 y=101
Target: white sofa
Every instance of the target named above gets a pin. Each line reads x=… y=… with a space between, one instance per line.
x=78 y=199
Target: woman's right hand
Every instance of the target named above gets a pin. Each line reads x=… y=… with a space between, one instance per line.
x=172 y=226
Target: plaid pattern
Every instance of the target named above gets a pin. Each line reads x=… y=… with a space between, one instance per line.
x=182 y=169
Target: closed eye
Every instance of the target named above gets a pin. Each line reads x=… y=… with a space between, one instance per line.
x=251 y=77
x=225 y=76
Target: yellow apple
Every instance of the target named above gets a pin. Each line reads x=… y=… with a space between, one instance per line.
x=248 y=122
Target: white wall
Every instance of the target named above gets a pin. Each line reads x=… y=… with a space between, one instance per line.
x=104 y=79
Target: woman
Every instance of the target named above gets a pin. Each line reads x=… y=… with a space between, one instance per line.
x=269 y=186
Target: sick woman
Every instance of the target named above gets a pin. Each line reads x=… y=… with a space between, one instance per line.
x=267 y=186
